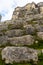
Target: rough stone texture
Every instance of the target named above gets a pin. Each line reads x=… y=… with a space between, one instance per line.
x=23 y=40
x=34 y=17
x=40 y=35
x=41 y=10
x=24 y=29
x=29 y=29
x=30 y=6
x=16 y=13
x=3 y=27
x=40 y=4
x=15 y=32
x=19 y=54
x=15 y=24
x=38 y=22
x=38 y=27
x=3 y=40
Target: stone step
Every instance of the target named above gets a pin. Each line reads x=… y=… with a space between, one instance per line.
x=23 y=40
x=19 y=54
x=15 y=33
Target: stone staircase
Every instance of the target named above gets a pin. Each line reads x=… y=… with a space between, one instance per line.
x=18 y=34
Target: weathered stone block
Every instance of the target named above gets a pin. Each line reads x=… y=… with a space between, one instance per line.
x=29 y=29
x=19 y=54
x=17 y=24
x=23 y=40
x=3 y=40
x=38 y=27
x=40 y=35
x=15 y=33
